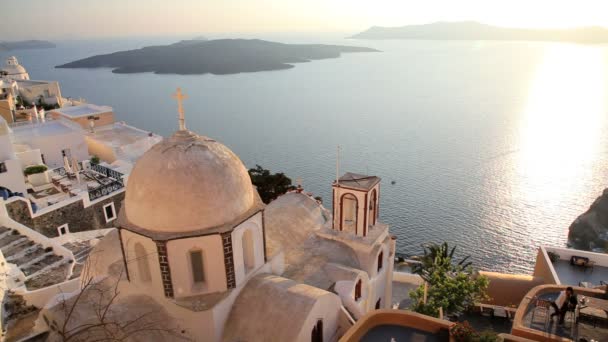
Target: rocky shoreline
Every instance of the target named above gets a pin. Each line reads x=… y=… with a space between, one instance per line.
x=590 y=230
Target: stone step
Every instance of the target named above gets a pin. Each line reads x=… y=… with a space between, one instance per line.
x=9 y=239
x=5 y=232
x=39 y=265
x=18 y=249
x=51 y=263
x=4 y=229
x=20 y=239
x=36 y=253
x=82 y=254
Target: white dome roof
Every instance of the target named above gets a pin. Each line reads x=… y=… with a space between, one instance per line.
x=14 y=69
x=187 y=182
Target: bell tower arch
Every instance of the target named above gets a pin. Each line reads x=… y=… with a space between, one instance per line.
x=355 y=203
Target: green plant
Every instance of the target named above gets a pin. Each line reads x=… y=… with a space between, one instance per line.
x=487 y=336
x=553 y=256
x=462 y=332
x=270 y=186
x=450 y=285
x=34 y=169
x=94 y=160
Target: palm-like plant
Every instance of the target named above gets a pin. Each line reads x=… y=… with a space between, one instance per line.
x=438 y=257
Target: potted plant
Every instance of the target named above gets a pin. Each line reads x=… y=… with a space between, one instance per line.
x=94 y=160
x=553 y=256
x=37 y=175
x=463 y=332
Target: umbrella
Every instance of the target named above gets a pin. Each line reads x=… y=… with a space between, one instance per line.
x=76 y=168
x=66 y=164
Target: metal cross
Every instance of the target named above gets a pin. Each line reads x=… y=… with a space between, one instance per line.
x=180 y=97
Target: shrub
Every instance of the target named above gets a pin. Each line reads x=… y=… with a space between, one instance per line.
x=94 y=160
x=34 y=169
x=462 y=332
x=553 y=256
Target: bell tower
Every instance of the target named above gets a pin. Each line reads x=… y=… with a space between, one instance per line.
x=355 y=203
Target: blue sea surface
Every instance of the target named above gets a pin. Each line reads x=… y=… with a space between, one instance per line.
x=495 y=147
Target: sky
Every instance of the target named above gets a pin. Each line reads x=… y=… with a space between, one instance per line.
x=113 y=18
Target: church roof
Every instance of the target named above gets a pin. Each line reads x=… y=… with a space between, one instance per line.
x=271 y=308
x=187 y=183
x=358 y=181
x=291 y=223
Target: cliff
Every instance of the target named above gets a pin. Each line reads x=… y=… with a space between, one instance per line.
x=590 y=230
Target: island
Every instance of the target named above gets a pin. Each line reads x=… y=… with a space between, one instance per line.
x=590 y=230
x=219 y=57
x=470 y=30
x=26 y=44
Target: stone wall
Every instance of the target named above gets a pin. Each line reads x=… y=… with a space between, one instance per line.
x=74 y=214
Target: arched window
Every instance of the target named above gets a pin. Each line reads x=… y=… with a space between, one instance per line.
x=348 y=211
x=378 y=303
x=317 y=332
x=380 y=259
x=373 y=205
x=248 y=251
x=358 y=290
x=143 y=266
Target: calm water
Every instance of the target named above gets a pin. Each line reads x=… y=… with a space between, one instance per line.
x=494 y=146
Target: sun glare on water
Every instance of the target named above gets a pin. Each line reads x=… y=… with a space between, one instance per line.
x=562 y=123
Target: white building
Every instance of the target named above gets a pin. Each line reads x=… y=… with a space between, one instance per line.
x=13 y=70
x=49 y=142
x=196 y=245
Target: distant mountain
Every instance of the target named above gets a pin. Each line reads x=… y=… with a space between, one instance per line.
x=222 y=56
x=470 y=30
x=26 y=44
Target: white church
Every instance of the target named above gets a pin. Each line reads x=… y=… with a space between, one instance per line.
x=196 y=246
x=13 y=70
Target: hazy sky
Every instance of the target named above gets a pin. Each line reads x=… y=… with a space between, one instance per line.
x=109 y=18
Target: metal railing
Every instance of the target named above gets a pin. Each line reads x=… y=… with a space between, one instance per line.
x=106 y=171
x=106 y=189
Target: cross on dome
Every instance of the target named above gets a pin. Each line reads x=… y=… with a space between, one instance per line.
x=180 y=97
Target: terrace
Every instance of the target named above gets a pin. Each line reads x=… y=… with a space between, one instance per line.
x=93 y=181
x=533 y=321
x=575 y=267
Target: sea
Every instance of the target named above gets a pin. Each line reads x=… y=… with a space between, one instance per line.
x=494 y=147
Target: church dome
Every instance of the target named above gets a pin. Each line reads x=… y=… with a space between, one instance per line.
x=187 y=182
x=12 y=67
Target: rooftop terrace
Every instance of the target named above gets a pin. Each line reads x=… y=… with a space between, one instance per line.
x=575 y=267
x=533 y=317
x=83 y=110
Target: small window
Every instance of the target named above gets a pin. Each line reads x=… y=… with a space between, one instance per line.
x=109 y=212
x=358 y=290
x=380 y=260
x=196 y=262
x=63 y=229
x=3 y=168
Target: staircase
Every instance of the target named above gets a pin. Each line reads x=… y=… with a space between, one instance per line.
x=32 y=258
